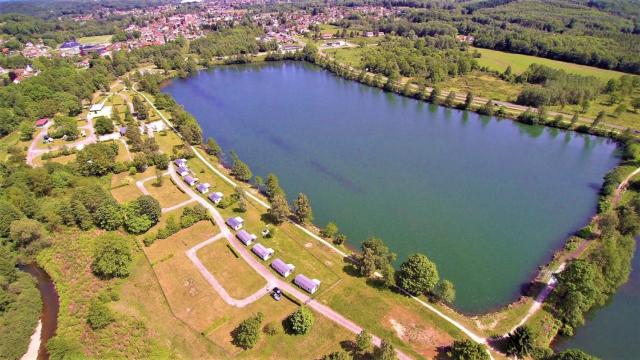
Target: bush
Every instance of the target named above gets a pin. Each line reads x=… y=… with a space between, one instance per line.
x=103 y=125
x=301 y=321
x=191 y=215
x=99 y=315
x=246 y=335
x=467 y=350
x=271 y=329
x=112 y=256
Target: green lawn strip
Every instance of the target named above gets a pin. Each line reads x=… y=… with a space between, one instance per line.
x=498 y=60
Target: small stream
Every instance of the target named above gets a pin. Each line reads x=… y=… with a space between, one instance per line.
x=51 y=304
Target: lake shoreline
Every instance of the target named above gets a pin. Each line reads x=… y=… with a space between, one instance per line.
x=535 y=274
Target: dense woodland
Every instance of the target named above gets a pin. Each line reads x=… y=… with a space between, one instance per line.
x=432 y=59
x=600 y=33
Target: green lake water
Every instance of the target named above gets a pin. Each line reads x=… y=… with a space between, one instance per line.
x=488 y=200
x=611 y=332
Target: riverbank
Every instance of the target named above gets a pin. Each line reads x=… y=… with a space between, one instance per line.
x=48 y=322
x=35 y=343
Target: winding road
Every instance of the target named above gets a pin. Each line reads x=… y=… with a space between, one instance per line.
x=271 y=278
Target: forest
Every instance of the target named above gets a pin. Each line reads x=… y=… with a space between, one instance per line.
x=605 y=34
x=431 y=59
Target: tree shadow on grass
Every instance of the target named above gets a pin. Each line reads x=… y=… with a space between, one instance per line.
x=532 y=289
x=498 y=342
x=350 y=269
x=442 y=353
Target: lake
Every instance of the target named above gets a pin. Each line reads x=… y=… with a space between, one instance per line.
x=611 y=332
x=488 y=200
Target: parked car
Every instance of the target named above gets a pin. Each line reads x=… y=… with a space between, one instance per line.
x=276 y=293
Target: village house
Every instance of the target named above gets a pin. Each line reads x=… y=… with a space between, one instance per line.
x=69 y=48
x=42 y=122
x=263 y=252
x=309 y=285
x=282 y=268
x=203 y=188
x=245 y=237
x=290 y=48
x=235 y=223
x=183 y=171
x=215 y=197
x=180 y=162
x=465 y=38
x=190 y=180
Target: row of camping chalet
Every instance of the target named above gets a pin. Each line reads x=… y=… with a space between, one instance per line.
x=203 y=188
x=264 y=253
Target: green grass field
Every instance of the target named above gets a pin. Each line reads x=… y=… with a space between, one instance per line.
x=498 y=60
x=351 y=56
x=101 y=39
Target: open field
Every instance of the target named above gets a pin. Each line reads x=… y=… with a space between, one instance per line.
x=483 y=85
x=498 y=60
x=123 y=186
x=193 y=301
x=351 y=56
x=101 y=39
x=68 y=262
x=233 y=273
x=167 y=194
x=421 y=331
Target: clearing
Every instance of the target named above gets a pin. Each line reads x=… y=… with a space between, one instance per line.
x=498 y=60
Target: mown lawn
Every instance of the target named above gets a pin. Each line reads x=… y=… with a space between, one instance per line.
x=234 y=274
x=498 y=60
x=167 y=193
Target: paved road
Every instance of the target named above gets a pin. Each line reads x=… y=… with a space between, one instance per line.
x=91 y=138
x=261 y=269
x=192 y=254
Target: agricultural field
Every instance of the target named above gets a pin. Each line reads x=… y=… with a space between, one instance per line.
x=498 y=60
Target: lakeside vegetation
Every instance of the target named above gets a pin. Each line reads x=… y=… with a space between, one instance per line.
x=77 y=202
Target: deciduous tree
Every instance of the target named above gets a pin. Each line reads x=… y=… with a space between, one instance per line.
x=301 y=321
x=112 y=256
x=417 y=274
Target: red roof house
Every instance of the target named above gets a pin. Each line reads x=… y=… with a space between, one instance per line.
x=42 y=122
